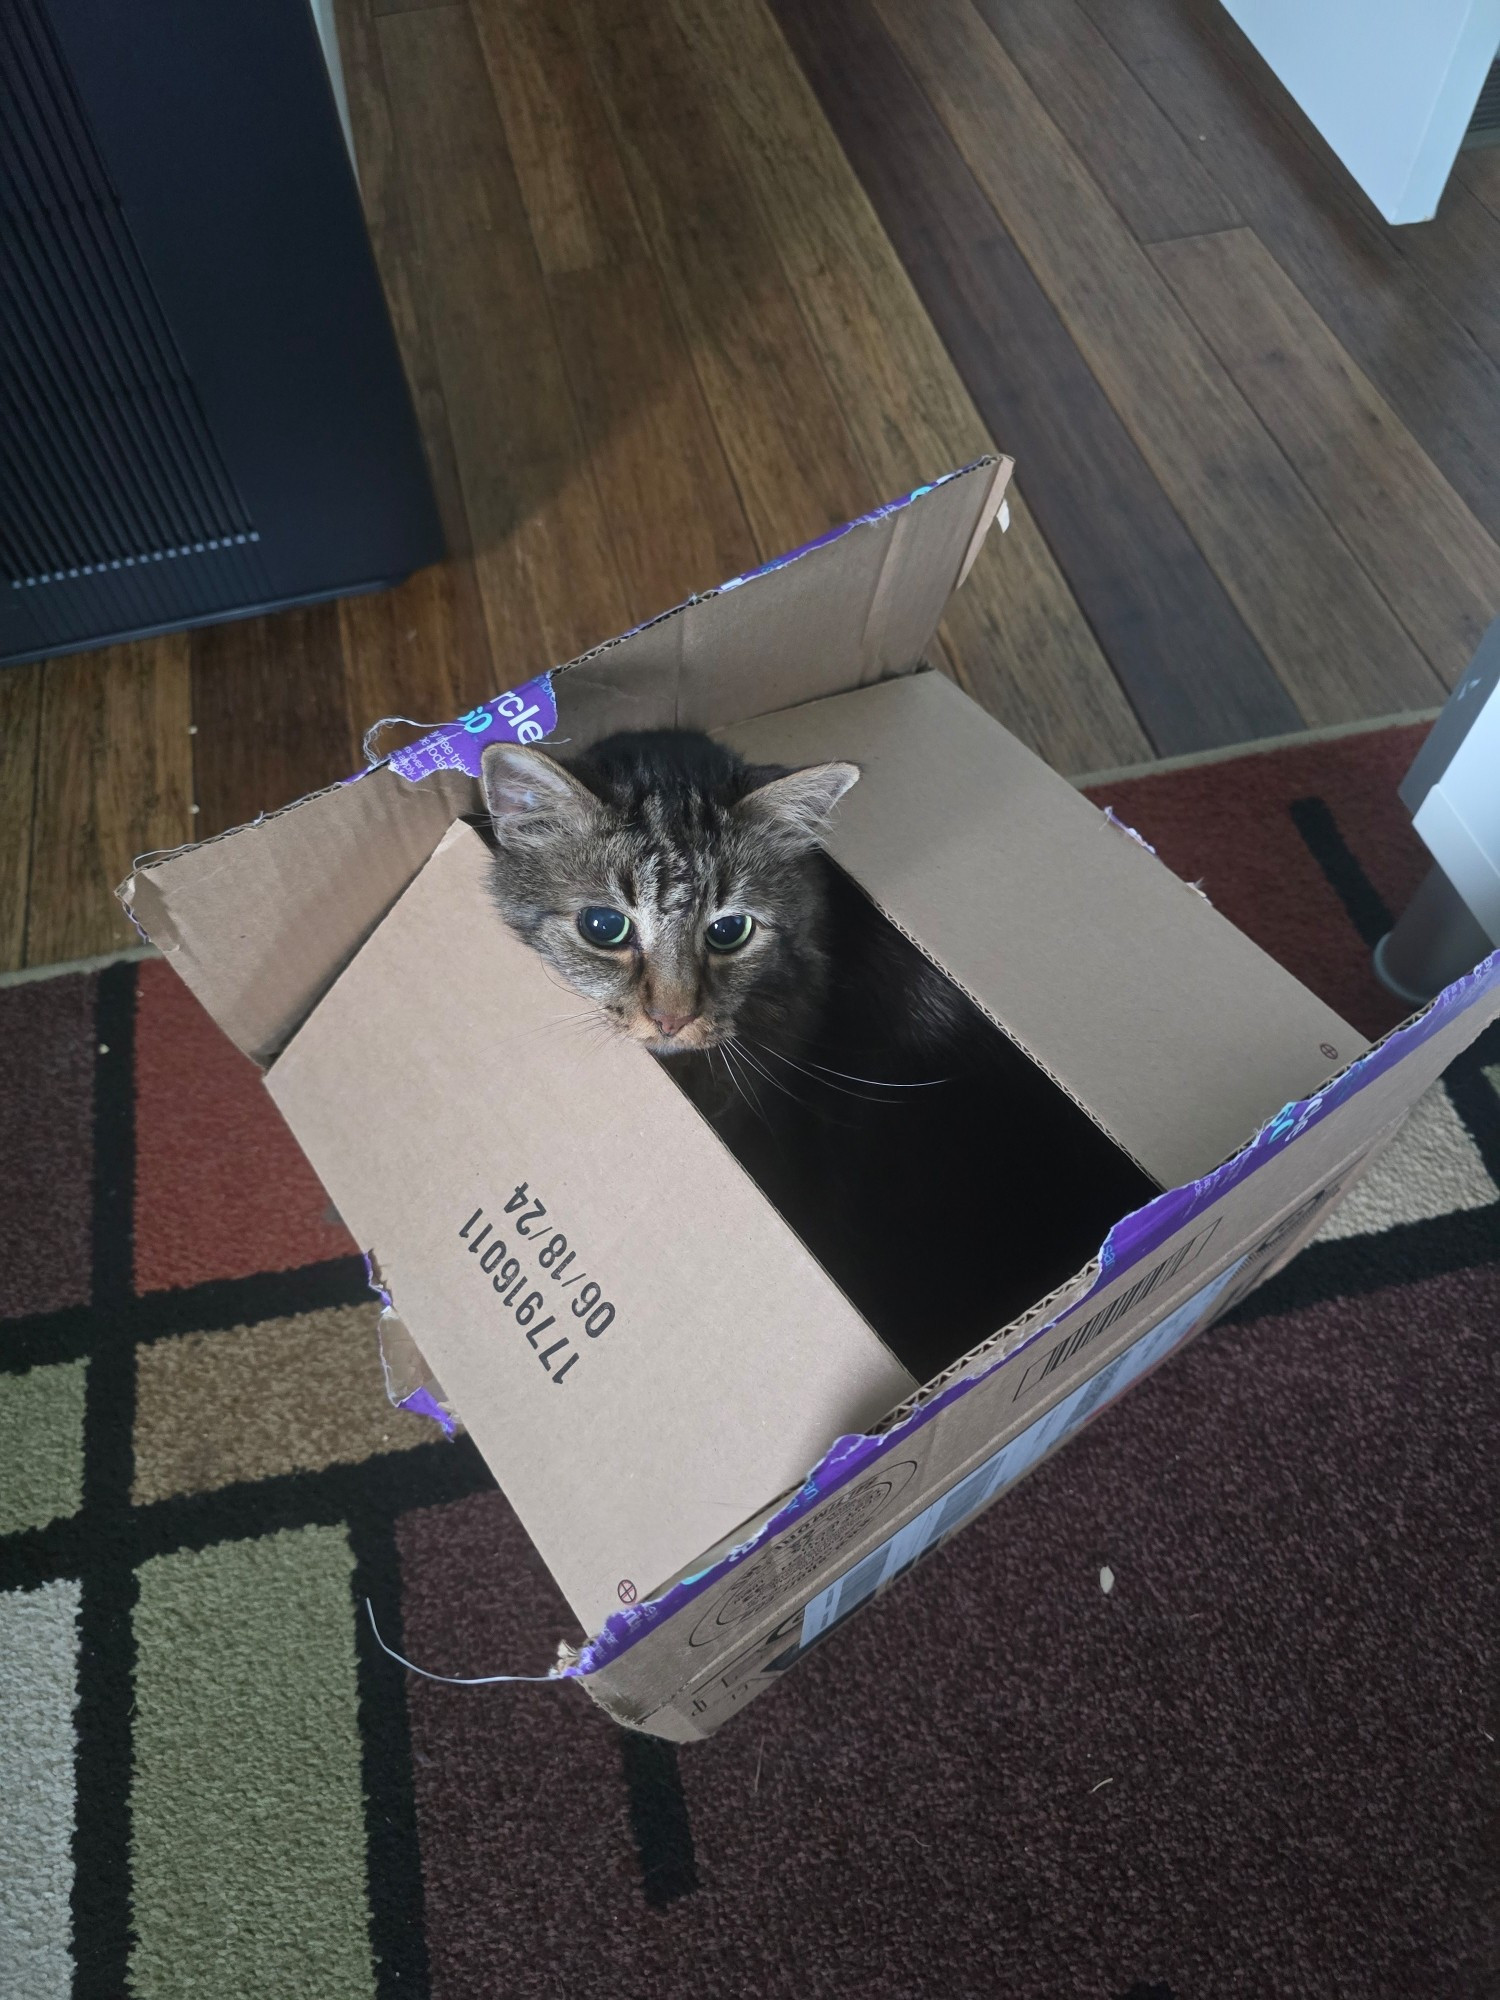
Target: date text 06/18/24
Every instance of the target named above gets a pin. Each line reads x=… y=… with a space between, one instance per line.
x=539 y=1255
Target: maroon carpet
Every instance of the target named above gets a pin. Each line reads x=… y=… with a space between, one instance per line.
x=1262 y=1764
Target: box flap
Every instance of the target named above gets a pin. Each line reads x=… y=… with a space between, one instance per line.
x=260 y=920
x=659 y=1375
x=1167 y=1024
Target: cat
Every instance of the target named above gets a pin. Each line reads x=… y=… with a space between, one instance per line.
x=930 y=1167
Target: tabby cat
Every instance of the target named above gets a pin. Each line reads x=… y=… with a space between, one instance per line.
x=927 y=1164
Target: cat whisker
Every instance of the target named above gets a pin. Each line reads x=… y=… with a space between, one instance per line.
x=761 y=1070
x=860 y=1096
x=746 y=1089
x=876 y=1082
x=574 y=1024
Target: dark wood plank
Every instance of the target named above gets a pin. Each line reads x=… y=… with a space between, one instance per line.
x=423 y=649
x=1347 y=263
x=1435 y=565
x=270 y=714
x=376 y=167
x=543 y=552
x=1479 y=171
x=415 y=651
x=387 y=206
x=783 y=433
x=1158 y=610
x=20 y=726
x=1015 y=636
x=114 y=780
x=1326 y=630
x=661 y=472
x=1132 y=149
x=1458 y=253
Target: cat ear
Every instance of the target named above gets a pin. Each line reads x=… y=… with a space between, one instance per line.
x=526 y=791
x=797 y=808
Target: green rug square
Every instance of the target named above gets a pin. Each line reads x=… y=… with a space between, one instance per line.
x=41 y=1445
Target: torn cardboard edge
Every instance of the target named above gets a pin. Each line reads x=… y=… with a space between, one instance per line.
x=478 y=727
x=258 y=999
x=409 y=1383
x=1129 y=1242
x=529 y=713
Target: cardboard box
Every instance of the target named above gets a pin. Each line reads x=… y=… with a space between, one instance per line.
x=719 y=1458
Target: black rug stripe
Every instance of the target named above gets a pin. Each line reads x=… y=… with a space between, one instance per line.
x=1476 y=1097
x=207 y=1308
x=392 y=1483
x=106 y=1650
x=393 y=1859
x=659 y=1818
x=1362 y=901
x=1406 y=1255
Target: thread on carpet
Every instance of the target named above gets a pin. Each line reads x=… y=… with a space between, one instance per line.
x=466 y=1680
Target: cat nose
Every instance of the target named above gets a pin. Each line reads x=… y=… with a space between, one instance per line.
x=670 y=1024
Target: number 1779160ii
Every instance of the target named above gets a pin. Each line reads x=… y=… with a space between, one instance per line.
x=538 y=1255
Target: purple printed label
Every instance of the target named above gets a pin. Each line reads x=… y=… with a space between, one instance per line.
x=523 y=715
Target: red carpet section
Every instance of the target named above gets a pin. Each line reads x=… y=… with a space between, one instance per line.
x=1262 y=1763
x=221 y=1188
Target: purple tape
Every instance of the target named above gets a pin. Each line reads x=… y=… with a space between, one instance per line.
x=421 y=1404
x=1132 y=1239
x=836 y=534
x=1140 y=1234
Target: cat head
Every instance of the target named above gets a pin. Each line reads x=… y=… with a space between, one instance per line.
x=668 y=881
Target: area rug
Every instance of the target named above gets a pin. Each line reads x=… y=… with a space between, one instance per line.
x=1261 y=1762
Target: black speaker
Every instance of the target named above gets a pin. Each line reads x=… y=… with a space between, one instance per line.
x=202 y=409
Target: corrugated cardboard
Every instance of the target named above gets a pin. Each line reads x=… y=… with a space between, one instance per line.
x=731 y=1444
x=724 y=1359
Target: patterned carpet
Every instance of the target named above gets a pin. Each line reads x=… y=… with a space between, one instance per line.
x=1262 y=1763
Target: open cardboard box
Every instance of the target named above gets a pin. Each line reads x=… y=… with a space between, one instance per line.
x=718 y=1456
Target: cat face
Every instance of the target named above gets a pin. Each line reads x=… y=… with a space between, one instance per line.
x=662 y=878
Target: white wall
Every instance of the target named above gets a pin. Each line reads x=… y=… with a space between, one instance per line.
x=1390 y=84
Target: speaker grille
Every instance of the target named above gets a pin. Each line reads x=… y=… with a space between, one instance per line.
x=116 y=507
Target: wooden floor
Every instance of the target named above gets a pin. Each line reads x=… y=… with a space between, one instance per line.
x=679 y=286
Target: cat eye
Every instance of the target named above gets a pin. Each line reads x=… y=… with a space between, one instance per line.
x=608 y=929
x=729 y=933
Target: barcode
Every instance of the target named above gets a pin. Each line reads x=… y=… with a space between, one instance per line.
x=1099 y=1323
x=975 y=1491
